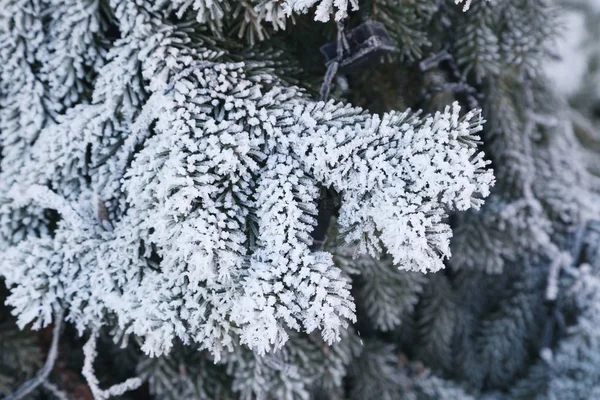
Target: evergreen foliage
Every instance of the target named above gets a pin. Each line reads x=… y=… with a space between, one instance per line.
x=165 y=166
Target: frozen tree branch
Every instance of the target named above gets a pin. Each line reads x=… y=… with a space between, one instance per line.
x=89 y=352
x=56 y=392
x=43 y=373
x=46 y=198
x=552 y=284
x=209 y=174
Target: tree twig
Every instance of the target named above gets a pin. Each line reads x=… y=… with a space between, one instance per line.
x=56 y=392
x=89 y=352
x=43 y=373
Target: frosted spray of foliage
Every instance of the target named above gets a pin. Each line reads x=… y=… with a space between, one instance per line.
x=187 y=188
x=223 y=197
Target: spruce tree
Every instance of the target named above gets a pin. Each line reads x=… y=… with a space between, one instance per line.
x=297 y=199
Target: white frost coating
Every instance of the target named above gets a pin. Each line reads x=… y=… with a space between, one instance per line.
x=224 y=196
x=209 y=175
x=205 y=10
x=572 y=48
x=561 y=261
x=467 y=4
x=397 y=175
x=90 y=353
x=324 y=8
x=47 y=199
